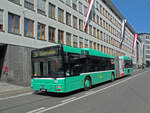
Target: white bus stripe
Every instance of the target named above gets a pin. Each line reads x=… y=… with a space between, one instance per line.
x=97 y=72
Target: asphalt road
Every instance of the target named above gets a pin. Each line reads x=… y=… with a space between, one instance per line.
x=127 y=95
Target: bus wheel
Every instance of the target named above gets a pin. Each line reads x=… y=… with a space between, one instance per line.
x=87 y=83
x=112 y=77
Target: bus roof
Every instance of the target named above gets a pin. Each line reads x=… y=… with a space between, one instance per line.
x=71 y=49
x=91 y=52
x=94 y=52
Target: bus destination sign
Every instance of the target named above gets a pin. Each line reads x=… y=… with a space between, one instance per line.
x=43 y=53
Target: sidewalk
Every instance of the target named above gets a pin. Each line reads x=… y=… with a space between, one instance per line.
x=7 y=89
x=140 y=70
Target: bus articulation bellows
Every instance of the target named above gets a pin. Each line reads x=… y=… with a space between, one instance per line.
x=63 y=69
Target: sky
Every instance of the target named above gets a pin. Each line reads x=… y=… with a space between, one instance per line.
x=137 y=13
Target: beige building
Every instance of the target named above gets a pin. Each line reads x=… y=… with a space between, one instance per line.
x=29 y=24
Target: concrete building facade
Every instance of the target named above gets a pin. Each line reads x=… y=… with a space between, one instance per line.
x=29 y=24
x=139 y=54
x=145 y=40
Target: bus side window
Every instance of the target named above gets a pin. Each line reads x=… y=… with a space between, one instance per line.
x=75 y=70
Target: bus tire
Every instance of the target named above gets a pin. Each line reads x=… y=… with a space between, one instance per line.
x=87 y=83
x=112 y=77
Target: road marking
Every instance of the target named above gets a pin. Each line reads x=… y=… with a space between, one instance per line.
x=90 y=92
x=68 y=99
x=24 y=94
x=36 y=110
x=59 y=105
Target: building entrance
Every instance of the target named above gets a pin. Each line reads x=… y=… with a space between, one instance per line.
x=2 y=56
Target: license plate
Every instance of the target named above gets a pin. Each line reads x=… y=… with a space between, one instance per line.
x=43 y=90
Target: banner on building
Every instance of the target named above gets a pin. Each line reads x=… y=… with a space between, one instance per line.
x=122 y=32
x=88 y=14
x=134 y=43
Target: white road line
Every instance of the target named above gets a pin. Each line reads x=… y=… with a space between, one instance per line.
x=90 y=92
x=24 y=94
x=59 y=105
x=36 y=110
x=68 y=99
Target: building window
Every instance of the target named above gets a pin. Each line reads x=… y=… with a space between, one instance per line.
x=60 y=15
x=90 y=29
x=75 y=22
x=102 y=49
x=68 y=2
x=1 y=20
x=81 y=25
x=101 y=35
x=68 y=39
x=68 y=18
x=98 y=35
x=62 y=1
x=97 y=19
x=85 y=10
x=97 y=5
x=90 y=16
x=93 y=16
x=51 y=34
x=101 y=21
x=101 y=8
x=13 y=23
x=60 y=37
x=75 y=41
x=41 y=6
x=28 y=28
x=51 y=11
x=81 y=42
x=94 y=31
x=87 y=1
x=15 y=1
x=104 y=24
x=86 y=43
x=91 y=44
x=29 y=4
x=74 y=4
x=98 y=47
x=94 y=45
x=80 y=8
x=41 y=31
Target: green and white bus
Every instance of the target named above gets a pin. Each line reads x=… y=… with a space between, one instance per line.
x=63 y=69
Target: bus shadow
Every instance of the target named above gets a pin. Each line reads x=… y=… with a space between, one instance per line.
x=59 y=95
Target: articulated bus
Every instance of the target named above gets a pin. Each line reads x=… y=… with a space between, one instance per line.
x=62 y=69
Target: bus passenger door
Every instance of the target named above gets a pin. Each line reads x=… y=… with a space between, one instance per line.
x=73 y=79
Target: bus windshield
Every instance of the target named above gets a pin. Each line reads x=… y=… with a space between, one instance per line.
x=48 y=67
